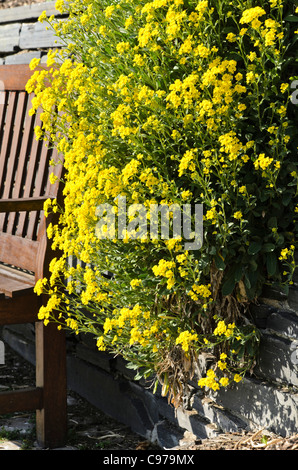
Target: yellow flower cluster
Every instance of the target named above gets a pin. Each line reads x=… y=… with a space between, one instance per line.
x=185 y=338
x=214 y=383
x=155 y=101
x=223 y=329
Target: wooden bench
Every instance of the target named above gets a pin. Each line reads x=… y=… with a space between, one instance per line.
x=25 y=253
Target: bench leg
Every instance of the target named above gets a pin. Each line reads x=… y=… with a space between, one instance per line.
x=51 y=420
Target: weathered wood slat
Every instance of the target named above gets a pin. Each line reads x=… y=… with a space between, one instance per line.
x=12 y=154
x=14 y=282
x=13 y=287
x=11 y=272
x=25 y=204
x=17 y=251
x=51 y=424
x=7 y=137
x=19 y=309
x=21 y=400
x=14 y=77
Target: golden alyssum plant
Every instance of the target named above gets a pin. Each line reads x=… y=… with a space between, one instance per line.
x=182 y=104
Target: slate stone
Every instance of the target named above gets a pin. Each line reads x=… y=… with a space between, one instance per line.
x=224 y=419
x=293 y=298
x=276 y=360
x=283 y=322
x=196 y=424
x=9 y=38
x=262 y=405
x=27 y=12
x=22 y=58
x=166 y=436
x=36 y=35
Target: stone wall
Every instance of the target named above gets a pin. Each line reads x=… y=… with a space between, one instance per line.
x=268 y=399
x=22 y=37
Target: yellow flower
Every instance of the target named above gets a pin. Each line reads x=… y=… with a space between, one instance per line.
x=109 y=11
x=39 y=286
x=284 y=253
x=238 y=215
x=185 y=339
x=128 y=22
x=221 y=328
x=251 y=14
x=135 y=282
x=222 y=365
x=262 y=162
x=237 y=378
x=43 y=16
x=231 y=37
x=224 y=381
x=100 y=344
x=34 y=63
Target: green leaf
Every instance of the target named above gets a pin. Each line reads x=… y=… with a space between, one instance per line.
x=254 y=248
x=238 y=273
x=268 y=247
x=219 y=263
x=272 y=222
x=286 y=198
x=228 y=286
x=292 y=18
x=271 y=263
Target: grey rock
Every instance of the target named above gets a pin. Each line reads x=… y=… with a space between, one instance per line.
x=9 y=38
x=27 y=12
x=22 y=57
x=36 y=35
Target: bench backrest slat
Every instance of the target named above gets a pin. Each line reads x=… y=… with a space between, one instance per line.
x=24 y=168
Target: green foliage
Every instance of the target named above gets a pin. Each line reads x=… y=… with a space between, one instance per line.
x=173 y=102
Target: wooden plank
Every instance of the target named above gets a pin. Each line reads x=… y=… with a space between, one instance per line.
x=28 y=135
x=51 y=421
x=14 y=282
x=13 y=287
x=7 y=137
x=31 y=168
x=28 y=399
x=25 y=204
x=15 y=77
x=20 y=160
x=14 y=273
x=19 y=309
x=17 y=251
x=12 y=154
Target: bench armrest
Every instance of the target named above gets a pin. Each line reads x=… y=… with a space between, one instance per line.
x=23 y=204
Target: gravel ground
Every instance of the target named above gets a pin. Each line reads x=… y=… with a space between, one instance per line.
x=16 y=3
x=90 y=429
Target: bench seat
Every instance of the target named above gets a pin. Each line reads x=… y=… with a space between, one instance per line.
x=14 y=282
